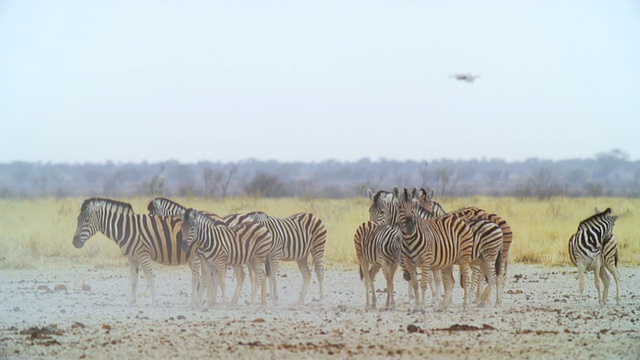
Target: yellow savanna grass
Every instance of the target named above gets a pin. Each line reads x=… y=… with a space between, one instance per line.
x=35 y=229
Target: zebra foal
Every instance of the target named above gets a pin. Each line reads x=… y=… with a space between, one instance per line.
x=218 y=245
x=378 y=246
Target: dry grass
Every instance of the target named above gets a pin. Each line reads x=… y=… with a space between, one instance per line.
x=31 y=230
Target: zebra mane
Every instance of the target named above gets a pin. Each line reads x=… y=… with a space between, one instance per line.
x=257 y=215
x=200 y=216
x=586 y=223
x=110 y=204
x=165 y=200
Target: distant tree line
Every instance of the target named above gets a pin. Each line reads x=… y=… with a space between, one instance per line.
x=609 y=173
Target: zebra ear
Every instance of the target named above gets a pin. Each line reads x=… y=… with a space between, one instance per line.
x=370 y=194
x=181 y=213
x=80 y=201
x=431 y=194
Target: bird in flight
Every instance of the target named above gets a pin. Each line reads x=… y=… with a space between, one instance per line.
x=466 y=77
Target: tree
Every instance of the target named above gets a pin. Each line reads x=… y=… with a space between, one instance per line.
x=266 y=185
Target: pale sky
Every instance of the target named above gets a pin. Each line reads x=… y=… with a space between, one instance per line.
x=129 y=81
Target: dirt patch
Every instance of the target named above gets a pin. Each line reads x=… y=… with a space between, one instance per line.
x=541 y=316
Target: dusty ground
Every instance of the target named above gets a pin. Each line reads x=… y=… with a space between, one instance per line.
x=541 y=317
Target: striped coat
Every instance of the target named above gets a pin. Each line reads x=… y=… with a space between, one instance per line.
x=143 y=239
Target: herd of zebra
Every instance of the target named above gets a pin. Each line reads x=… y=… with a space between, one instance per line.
x=172 y=234
x=412 y=231
x=407 y=229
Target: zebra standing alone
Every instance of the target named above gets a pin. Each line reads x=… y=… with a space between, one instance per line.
x=379 y=244
x=220 y=245
x=434 y=244
x=594 y=248
x=141 y=238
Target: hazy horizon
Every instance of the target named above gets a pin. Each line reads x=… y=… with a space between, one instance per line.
x=130 y=82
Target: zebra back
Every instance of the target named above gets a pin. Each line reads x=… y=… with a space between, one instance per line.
x=592 y=235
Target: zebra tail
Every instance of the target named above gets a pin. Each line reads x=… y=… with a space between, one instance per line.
x=499 y=263
x=361 y=274
x=406 y=275
x=267 y=265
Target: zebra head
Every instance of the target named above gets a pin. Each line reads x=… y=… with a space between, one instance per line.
x=192 y=223
x=88 y=221
x=425 y=199
x=164 y=206
x=406 y=210
x=382 y=208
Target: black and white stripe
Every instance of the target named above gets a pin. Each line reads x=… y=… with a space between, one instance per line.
x=378 y=245
x=295 y=238
x=437 y=243
x=434 y=209
x=593 y=248
x=143 y=239
x=247 y=243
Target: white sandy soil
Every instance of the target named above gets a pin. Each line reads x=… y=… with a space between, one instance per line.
x=88 y=317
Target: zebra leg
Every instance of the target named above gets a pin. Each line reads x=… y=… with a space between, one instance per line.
x=196 y=280
x=364 y=274
x=133 y=268
x=486 y=271
x=275 y=263
x=303 y=266
x=581 y=270
x=220 y=274
x=465 y=280
x=614 y=271
x=389 y=273
x=239 y=271
x=606 y=280
x=318 y=268
x=413 y=273
x=251 y=269
x=145 y=263
x=598 y=280
x=262 y=279
x=375 y=268
x=437 y=278
x=476 y=284
x=448 y=282
x=426 y=277
x=212 y=289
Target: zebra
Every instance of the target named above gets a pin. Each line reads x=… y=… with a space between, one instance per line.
x=164 y=206
x=594 y=248
x=486 y=259
x=437 y=243
x=435 y=209
x=384 y=210
x=379 y=245
x=220 y=245
x=141 y=238
x=294 y=238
